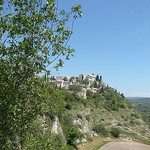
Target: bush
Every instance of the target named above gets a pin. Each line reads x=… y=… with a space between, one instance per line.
x=72 y=134
x=122 y=106
x=65 y=79
x=68 y=97
x=135 y=115
x=87 y=117
x=122 y=116
x=66 y=120
x=119 y=124
x=68 y=106
x=131 y=121
x=89 y=94
x=100 y=129
x=84 y=102
x=79 y=116
x=75 y=88
x=129 y=105
x=115 y=132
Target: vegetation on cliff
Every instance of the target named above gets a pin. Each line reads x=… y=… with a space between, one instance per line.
x=34 y=113
x=33 y=35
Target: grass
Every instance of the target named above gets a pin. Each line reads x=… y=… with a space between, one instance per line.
x=99 y=146
x=96 y=144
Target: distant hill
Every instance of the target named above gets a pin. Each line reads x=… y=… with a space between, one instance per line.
x=139 y=98
x=142 y=105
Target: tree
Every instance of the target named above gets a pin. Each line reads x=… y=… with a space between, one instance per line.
x=45 y=76
x=52 y=78
x=1 y=3
x=89 y=94
x=95 y=84
x=100 y=81
x=97 y=78
x=75 y=88
x=33 y=35
x=86 y=82
x=65 y=79
x=122 y=95
x=115 y=132
x=82 y=77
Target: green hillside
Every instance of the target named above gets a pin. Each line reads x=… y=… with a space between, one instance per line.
x=142 y=105
x=65 y=119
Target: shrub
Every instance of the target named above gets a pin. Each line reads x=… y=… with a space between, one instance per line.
x=79 y=116
x=68 y=97
x=115 y=132
x=105 y=133
x=122 y=106
x=89 y=94
x=126 y=119
x=129 y=105
x=84 y=102
x=119 y=124
x=68 y=106
x=102 y=119
x=131 y=121
x=135 y=115
x=92 y=110
x=75 y=88
x=66 y=120
x=87 y=117
x=72 y=134
x=100 y=129
x=65 y=79
x=137 y=122
x=122 y=116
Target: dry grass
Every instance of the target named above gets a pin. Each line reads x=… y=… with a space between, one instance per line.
x=97 y=143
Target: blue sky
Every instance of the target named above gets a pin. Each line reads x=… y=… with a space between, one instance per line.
x=112 y=39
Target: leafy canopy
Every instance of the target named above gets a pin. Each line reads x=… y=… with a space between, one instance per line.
x=33 y=35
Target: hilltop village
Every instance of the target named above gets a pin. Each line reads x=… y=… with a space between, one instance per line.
x=82 y=83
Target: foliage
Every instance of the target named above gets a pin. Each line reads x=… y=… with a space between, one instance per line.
x=135 y=115
x=65 y=79
x=68 y=96
x=42 y=139
x=95 y=84
x=115 y=132
x=52 y=78
x=79 y=116
x=100 y=129
x=86 y=82
x=113 y=100
x=1 y=3
x=89 y=94
x=75 y=88
x=100 y=81
x=33 y=35
x=142 y=105
x=122 y=95
x=119 y=124
x=18 y=108
x=131 y=121
x=87 y=117
x=71 y=132
x=97 y=77
x=107 y=97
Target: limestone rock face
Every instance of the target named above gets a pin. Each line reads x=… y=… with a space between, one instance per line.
x=56 y=127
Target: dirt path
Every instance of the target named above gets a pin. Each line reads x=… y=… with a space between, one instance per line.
x=125 y=146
